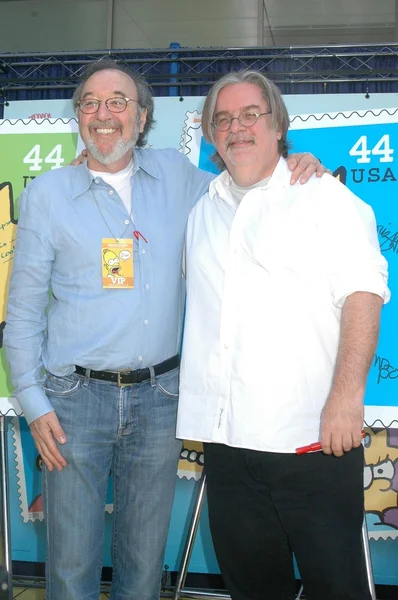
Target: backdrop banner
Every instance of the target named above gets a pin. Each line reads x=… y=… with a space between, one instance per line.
x=360 y=147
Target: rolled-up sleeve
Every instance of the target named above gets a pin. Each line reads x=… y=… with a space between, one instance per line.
x=353 y=260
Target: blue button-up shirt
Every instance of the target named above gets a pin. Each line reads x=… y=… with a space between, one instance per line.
x=63 y=216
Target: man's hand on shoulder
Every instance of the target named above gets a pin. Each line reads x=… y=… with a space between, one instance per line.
x=341 y=425
x=79 y=160
x=304 y=165
x=46 y=431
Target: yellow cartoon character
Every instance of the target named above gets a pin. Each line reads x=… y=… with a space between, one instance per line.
x=381 y=475
x=111 y=263
x=8 y=225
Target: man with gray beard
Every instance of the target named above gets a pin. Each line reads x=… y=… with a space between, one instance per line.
x=96 y=368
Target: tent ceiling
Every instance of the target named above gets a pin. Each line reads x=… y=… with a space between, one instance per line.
x=59 y=25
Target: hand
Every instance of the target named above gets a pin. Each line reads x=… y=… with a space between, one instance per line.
x=79 y=160
x=46 y=430
x=341 y=426
x=304 y=165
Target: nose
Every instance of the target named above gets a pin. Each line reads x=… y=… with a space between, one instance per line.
x=103 y=112
x=236 y=125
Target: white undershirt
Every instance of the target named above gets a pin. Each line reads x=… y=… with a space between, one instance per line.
x=238 y=192
x=121 y=183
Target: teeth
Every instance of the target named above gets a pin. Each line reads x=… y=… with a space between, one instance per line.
x=105 y=131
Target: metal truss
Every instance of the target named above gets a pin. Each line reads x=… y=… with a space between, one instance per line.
x=185 y=70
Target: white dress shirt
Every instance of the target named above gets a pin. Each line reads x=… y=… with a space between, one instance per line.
x=266 y=282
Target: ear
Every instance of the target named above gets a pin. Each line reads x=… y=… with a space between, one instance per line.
x=279 y=135
x=143 y=118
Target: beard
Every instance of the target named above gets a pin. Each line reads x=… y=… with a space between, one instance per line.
x=119 y=150
x=238 y=156
x=121 y=147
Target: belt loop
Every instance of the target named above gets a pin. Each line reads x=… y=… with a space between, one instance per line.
x=153 y=377
x=87 y=377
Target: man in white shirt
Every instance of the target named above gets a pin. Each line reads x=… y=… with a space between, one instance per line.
x=285 y=288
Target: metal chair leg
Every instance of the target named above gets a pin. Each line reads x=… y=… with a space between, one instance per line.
x=189 y=542
x=5 y=538
x=368 y=559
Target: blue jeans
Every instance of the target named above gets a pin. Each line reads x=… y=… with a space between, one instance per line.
x=130 y=430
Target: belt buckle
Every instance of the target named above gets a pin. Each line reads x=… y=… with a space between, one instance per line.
x=119 y=381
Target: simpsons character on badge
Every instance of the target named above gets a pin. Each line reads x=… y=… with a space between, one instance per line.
x=117 y=263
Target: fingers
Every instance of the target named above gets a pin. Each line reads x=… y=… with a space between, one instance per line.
x=79 y=160
x=293 y=160
x=339 y=443
x=321 y=170
x=46 y=431
x=303 y=165
x=326 y=443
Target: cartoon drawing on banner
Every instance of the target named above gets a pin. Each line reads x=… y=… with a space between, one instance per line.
x=7 y=246
x=191 y=461
x=381 y=481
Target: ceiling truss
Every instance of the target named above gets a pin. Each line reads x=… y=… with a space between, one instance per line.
x=181 y=68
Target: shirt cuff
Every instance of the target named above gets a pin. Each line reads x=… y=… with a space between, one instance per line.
x=34 y=403
x=374 y=284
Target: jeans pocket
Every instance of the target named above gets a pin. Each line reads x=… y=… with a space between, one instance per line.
x=168 y=383
x=62 y=386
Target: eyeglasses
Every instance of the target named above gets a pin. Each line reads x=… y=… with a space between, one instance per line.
x=115 y=105
x=246 y=118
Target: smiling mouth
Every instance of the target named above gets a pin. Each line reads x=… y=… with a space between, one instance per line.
x=240 y=143
x=105 y=131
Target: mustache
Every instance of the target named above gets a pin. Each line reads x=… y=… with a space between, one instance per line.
x=108 y=124
x=238 y=137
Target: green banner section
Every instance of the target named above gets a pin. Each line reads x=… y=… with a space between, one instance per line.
x=27 y=150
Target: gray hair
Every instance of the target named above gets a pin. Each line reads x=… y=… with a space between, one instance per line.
x=145 y=99
x=271 y=93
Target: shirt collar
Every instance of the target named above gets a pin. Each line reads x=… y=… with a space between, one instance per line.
x=279 y=178
x=82 y=178
x=143 y=159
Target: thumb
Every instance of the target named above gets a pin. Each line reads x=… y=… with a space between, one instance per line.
x=60 y=435
x=57 y=431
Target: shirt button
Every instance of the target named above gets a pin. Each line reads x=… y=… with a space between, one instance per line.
x=96 y=180
x=126 y=222
x=147 y=286
x=140 y=358
x=110 y=192
x=146 y=322
x=143 y=251
x=226 y=346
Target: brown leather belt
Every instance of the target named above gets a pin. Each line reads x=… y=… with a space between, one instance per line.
x=130 y=377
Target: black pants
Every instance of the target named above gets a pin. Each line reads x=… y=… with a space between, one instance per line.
x=263 y=507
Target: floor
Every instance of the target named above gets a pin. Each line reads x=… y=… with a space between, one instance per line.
x=29 y=594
